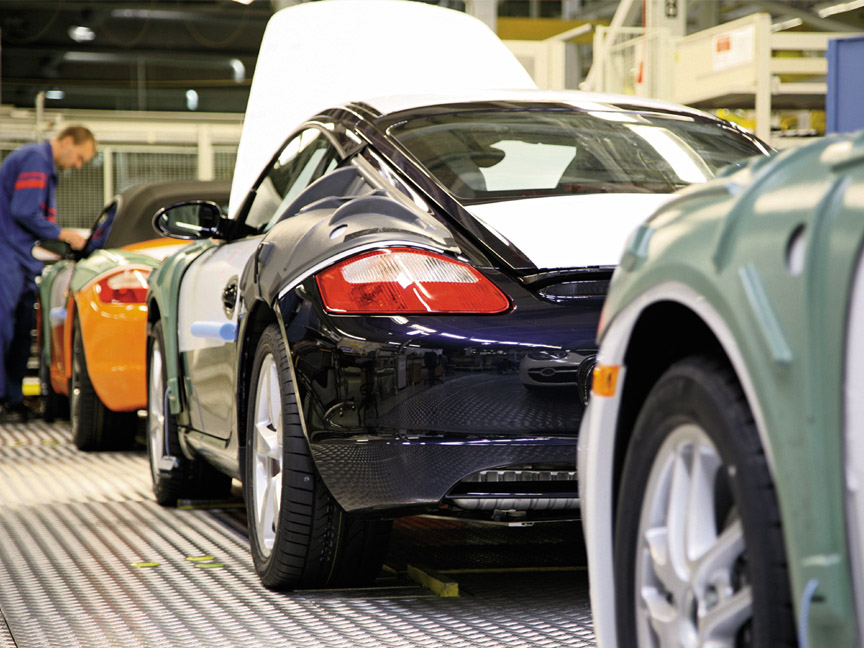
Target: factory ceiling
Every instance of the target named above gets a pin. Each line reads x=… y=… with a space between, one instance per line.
x=185 y=55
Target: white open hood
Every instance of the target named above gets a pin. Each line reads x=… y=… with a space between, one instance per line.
x=321 y=54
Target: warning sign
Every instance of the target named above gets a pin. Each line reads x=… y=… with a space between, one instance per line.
x=734 y=48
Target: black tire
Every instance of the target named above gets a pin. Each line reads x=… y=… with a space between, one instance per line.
x=309 y=541
x=175 y=476
x=697 y=410
x=54 y=405
x=94 y=426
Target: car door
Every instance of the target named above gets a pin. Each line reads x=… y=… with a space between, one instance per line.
x=208 y=308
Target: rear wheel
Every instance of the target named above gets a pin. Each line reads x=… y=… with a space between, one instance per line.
x=699 y=553
x=94 y=426
x=299 y=535
x=175 y=476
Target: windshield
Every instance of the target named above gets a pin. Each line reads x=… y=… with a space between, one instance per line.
x=492 y=155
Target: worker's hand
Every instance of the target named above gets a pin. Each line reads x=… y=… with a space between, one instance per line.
x=73 y=238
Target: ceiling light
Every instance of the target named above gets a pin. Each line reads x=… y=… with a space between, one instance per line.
x=54 y=94
x=246 y=2
x=191 y=100
x=81 y=34
x=843 y=7
x=787 y=24
x=239 y=70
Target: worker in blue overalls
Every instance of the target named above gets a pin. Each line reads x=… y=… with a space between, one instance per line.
x=28 y=213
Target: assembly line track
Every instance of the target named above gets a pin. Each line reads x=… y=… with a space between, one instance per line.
x=88 y=559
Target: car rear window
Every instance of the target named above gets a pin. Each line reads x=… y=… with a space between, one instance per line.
x=492 y=155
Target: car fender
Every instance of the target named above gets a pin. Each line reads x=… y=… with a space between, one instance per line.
x=53 y=287
x=164 y=293
x=318 y=236
x=330 y=230
x=114 y=342
x=598 y=438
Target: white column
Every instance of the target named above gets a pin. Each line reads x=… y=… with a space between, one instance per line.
x=107 y=173
x=485 y=10
x=205 y=153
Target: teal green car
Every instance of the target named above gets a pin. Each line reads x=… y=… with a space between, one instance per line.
x=721 y=458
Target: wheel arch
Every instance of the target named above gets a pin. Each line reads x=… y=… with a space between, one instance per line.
x=258 y=318
x=154 y=313
x=665 y=332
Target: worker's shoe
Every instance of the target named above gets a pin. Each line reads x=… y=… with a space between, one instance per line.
x=18 y=413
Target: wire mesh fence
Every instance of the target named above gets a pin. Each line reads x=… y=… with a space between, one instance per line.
x=635 y=61
x=81 y=194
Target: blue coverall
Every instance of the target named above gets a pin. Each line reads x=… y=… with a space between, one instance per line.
x=27 y=213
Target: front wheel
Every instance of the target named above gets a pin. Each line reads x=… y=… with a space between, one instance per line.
x=699 y=553
x=299 y=536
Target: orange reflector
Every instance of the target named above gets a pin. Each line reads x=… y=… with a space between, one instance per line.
x=605 y=380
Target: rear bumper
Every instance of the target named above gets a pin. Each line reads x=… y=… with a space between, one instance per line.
x=398 y=410
x=411 y=476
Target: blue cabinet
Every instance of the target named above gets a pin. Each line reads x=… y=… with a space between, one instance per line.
x=844 y=102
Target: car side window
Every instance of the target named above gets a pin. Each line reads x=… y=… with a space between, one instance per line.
x=101 y=228
x=304 y=159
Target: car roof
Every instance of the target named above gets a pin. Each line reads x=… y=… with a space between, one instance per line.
x=137 y=205
x=580 y=100
x=318 y=55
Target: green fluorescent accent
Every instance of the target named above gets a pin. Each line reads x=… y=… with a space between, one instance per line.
x=822 y=561
x=769 y=325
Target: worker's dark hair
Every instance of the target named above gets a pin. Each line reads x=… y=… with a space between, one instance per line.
x=79 y=134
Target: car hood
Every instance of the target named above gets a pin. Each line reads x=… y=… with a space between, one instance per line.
x=569 y=231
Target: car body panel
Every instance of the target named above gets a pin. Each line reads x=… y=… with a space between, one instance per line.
x=112 y=332
x=164 y=291
x=380 y=395
x=563 y=228
x=764 y=258
x=208 y=358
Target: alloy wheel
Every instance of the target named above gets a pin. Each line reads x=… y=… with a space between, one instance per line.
x=268 y=457
x=156 y=407
x=691 y=587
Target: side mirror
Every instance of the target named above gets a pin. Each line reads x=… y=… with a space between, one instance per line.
x=51 y=251
x=193 y=220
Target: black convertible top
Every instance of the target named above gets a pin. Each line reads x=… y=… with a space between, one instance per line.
x=136 y=206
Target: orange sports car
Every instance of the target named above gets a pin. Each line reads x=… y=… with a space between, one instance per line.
x=92 y=315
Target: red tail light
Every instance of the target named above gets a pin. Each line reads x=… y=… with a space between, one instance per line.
x=405 y=280
x=127 y=287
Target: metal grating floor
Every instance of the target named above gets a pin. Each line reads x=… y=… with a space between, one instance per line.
x=88 y=559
